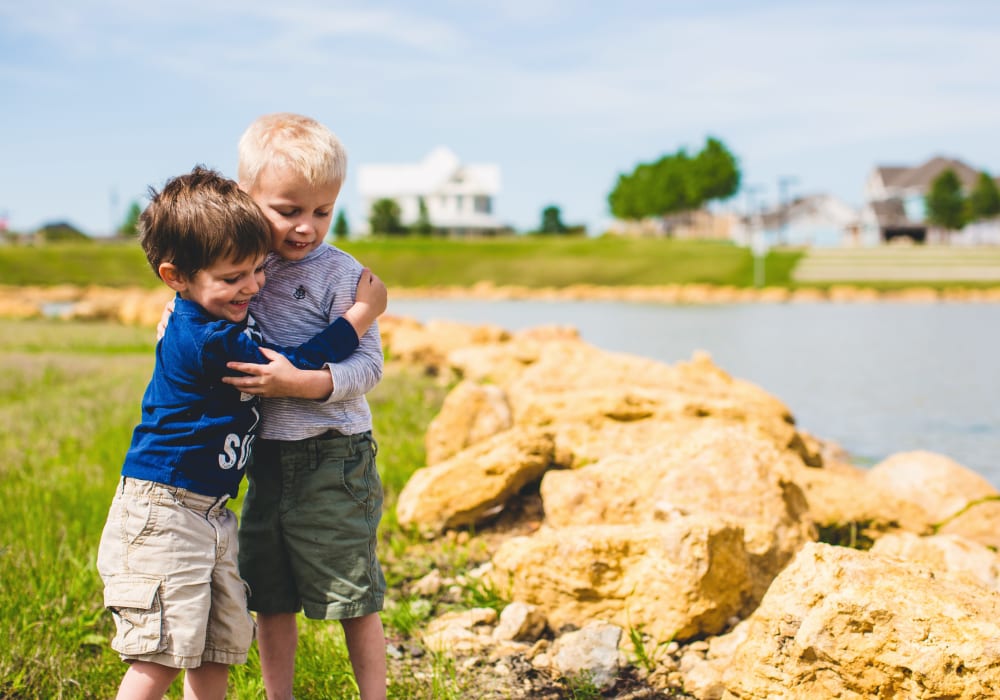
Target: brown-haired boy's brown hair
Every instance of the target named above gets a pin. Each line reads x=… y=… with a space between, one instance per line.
x=199 y=218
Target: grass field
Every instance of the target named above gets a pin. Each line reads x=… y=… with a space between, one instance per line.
x=69 y=397
x=533 y=261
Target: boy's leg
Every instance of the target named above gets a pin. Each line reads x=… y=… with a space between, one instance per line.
x=207 y=682
x=277 y=637
x=366 y=647
x=145 y=680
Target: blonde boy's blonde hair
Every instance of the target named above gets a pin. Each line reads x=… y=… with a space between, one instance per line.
x=292 y=141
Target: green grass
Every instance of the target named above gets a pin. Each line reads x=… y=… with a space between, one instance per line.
x=558 y=262
x=69 y=398
x=530 y=261
x=111 y=264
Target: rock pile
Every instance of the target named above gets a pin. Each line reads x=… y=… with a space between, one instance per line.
x=685 y=505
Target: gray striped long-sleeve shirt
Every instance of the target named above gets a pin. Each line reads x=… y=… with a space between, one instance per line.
x=299 y=299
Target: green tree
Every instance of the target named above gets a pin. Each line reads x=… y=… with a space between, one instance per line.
x=422 y=226
x=552 y=220
x=715 y=172
x=945 y=203
x=676 y=182
x=130 y=226
x=384 y=217
x=340 y=228
x=984 y=200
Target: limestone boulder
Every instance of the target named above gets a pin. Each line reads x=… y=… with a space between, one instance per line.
x=470 y=413
x=721 y=470
x=504 y=363
x=844 y=504
x=143 y=307
x=461 y=632
x=586 y=392
x=938 y=484
x=581 y=387
x=980 y=522
x=841 y=623
x=590 y=653
x=428 y=344
x=520 y=622
x=476 y=482
x=945 y=554
x=681 y=578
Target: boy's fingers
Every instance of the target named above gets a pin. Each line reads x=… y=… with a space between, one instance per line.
x=245 y=367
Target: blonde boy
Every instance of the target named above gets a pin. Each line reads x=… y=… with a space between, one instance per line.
x=310 y=519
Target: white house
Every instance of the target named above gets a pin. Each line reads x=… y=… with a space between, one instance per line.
x=459 y=198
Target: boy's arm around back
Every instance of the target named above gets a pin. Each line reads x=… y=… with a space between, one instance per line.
x=359 y=373
x=335 y=342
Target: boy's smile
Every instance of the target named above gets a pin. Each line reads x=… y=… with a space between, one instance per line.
x=298 y=210
x=225 y=288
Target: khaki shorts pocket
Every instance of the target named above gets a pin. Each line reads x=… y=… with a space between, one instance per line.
x=134 y=602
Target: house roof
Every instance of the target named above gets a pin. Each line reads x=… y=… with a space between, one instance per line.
x=921 y=176
x=440 y=169
x=890 y=174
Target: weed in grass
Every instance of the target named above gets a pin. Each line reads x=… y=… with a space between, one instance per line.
x=482 y=593
x=642 y=656
x=406 y=615
x=581 y=687
x=852 y=534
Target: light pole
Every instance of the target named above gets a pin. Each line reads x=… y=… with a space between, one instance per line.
x=784 y=183
x=757 y=240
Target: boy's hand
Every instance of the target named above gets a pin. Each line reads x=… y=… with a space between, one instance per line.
x=370 y=301
x=280 y=377
x=161 y=327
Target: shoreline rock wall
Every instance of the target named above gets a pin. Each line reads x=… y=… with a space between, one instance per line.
x=684 y=503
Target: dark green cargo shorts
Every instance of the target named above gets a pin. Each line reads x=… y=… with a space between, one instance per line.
x=309 y=527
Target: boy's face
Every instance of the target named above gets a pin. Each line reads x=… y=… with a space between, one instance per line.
x=299 y=211
x=225 y=288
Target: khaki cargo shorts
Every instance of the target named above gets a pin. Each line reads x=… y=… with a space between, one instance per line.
x=309 y=527
x=171 y=580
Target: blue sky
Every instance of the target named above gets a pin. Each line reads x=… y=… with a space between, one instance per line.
x=101 y=98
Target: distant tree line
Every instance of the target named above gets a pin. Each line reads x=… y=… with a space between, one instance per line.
x=384 y=219
x=676 y=182
x=949 y=207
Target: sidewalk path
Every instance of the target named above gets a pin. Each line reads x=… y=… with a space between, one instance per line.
x=890 y=263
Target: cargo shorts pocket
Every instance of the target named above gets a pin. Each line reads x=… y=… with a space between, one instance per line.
x=134 y=602
x=359 y=476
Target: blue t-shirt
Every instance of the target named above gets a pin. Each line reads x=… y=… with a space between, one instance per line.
x=196 y=432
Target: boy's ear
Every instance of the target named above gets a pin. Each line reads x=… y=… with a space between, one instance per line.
x=172 y=277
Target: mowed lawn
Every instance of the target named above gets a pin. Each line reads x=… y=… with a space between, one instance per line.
x=530 y=261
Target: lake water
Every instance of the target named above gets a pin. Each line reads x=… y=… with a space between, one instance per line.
x=875 y=378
